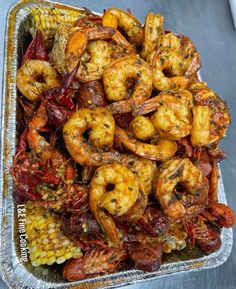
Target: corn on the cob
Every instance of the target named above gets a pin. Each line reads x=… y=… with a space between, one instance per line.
x=46 y=242
x=48 y=19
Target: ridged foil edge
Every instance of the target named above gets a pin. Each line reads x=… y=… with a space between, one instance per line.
x=13 y=272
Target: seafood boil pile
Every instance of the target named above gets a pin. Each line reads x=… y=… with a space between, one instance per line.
x=117 y=163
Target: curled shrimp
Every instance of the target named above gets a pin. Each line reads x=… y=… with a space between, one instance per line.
x=117 y=202
x=161 y=151
x=34 y=77
x=210 y=116
x=101 y=126
x=94 y=56
x=153 y=33
x=143 y=168
x=166 y=61
x=173 y=116
x=175 y=62
x=181 y=171
x=70 y=45
x=116 y=76
x=183 y=46
x=95 y=59
x=115 y=18
x=142 y=128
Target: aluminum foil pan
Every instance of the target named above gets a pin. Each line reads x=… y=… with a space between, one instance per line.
x=21 y=275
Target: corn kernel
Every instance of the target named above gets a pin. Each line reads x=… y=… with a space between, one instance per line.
x=46 y=242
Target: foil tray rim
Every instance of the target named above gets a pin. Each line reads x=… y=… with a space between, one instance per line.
x=11 y=269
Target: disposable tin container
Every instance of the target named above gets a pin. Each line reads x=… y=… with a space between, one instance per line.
x=20 y=275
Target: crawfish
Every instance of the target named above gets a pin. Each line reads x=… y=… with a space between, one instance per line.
x=220 y=215
x=58 y=101
x=204 y=236
x=66 y=196
x=95 y=261
x=43 y=167
x=36 y=48
x=27 y=172
x=83 y=228
x=201 y=235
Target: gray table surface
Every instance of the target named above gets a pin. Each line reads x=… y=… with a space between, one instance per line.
x=210 y=26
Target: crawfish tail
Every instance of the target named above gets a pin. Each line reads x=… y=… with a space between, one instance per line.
x=102 y=261
x=94 y=262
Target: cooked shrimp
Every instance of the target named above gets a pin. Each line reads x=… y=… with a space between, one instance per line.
x=161 y=151
x=142 y=128
x=175 y=63
x=153 y=33
x=172 y=118
x=115 y=18
x=181 y=171
x=210 y=116
x=94 y=61
x=143 y=168
x=191 y=57
x=117 y=74
x=166 y=61
x=101 y=126
x=184 y=47
x=35 y=76
x=117 y=201
x=122 y=42
x=137 y=210
x=172 y=41
x=96 y=56
x=38 y=143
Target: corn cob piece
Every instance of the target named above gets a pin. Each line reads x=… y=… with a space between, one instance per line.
x=46 y=242
x=48 y=19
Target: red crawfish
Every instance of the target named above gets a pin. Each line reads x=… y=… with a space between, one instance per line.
x=203 y=236
x=58 y=100
x=27 y=172
x=95 y=261
x=36 y=48
x=207 y=238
